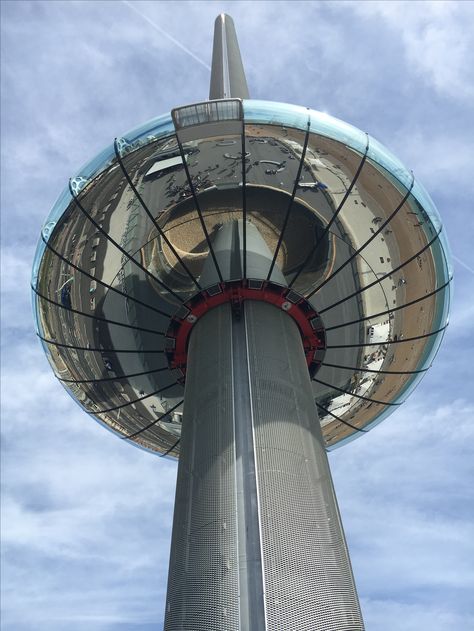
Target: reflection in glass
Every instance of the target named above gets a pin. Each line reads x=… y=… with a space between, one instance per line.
x=126 y=244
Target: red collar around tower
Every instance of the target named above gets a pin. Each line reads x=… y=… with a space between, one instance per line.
x=236 y=292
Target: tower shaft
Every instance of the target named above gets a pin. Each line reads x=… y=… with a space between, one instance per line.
x=257 y=539
x=227 y=71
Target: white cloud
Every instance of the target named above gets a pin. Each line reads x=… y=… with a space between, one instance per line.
x=413 y=617
x=438 y=40
x=406 y=495
x=87 y=518
x=440 y=157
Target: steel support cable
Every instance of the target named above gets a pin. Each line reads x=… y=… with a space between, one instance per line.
x=198 y=210
x=120 y=378
x=381 y=278
x=147 y=396
x=101 y=282
x=292 y=198
x=373 y=370
x=353 y=394
x=155 y=223
x=359 y=250
x=244 y=198
x=120 y=248
x=170 y=449
x=98 y=350
x=387 y=342
x=381 y=313
x=338 y=418
x=369 y=266
x=144 y=429
x=93 y=317
x=334 y=217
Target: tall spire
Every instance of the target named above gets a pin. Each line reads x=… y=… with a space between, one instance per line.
x=227 y=74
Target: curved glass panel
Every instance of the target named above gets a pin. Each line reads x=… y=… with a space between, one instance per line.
x=270 y=113
x=344 y=440
x=152 y=130
x=99 y=163
x=380 y=154
x=148 y=132
x=324 y=124
x=429 y=207
x=342 y=222
x=56 y=212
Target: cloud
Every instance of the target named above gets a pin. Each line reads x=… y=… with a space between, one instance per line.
x=86 y=518
x=82 y=512
x=172 y=39
x=408 y=543
x=413 y=617
x=437 y=42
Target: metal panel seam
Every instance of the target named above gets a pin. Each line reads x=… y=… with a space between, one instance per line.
x=256 y=475
x=237 y=538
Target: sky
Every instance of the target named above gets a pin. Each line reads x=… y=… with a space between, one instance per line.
x=86 y=518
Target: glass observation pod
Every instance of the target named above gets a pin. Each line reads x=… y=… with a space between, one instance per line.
x=350 y=228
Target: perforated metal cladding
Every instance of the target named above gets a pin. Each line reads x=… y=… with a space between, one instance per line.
x=308 y=577
x=203 y=593
x=249 y=426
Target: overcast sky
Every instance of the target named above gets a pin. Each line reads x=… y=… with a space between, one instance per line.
x=86 y=517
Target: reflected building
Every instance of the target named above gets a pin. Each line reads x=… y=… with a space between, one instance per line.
x=245 y=285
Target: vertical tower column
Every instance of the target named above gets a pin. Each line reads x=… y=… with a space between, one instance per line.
x=307 y=574
x=203 y=581
x=227 y=73
x=257 y=539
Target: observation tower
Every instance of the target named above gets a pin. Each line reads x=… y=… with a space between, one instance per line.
x=245 y=285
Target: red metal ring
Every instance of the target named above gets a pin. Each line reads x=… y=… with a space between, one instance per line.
x=236 y=292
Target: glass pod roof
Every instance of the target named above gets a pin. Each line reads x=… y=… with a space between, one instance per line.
x=348 y=225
